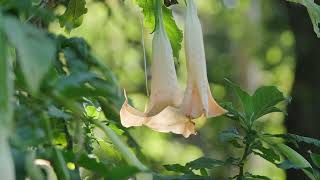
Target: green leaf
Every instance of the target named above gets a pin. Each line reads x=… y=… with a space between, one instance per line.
x=178 y=168
x=183 y=177
x=6 y=81
x=245 y=99
x=262 y=102
x=249 y=176
x=267 y=153
x=118 y=172
x=73 y=16
x=228 y=135
x=35 y=50
x=54 y=112
x=286 y=164
x=60 y=165
x=293 y=156
x=204 y=162
x=80 y=84
x=314 y=13
x=296 y=138
x=296 y=158
x=174 y=33
x=315 y=159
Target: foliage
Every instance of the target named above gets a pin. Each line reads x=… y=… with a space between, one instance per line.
x=63 y=94
x=314 y=13
x=174 y=33
x=72 y=17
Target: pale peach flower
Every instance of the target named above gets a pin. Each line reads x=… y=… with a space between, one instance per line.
x=163 y=113
x=197 y=100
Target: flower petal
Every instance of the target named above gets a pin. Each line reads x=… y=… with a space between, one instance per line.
x=129 y=116
x=197 y=99
x=164 y=83
x=171 y=120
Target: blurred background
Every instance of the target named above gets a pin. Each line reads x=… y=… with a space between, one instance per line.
x=251 y=42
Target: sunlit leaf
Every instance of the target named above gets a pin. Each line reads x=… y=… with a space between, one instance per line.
x=296 y=158
x=174 y=33
x=73 y=16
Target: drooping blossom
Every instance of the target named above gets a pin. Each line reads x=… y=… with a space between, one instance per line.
x=198 y=99
x=163 y=113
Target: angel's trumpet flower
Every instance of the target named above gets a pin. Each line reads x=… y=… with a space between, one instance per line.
x=162 y=113
x=7 y=171
x=197 y=100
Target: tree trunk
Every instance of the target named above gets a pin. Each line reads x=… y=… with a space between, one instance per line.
x=304 y=110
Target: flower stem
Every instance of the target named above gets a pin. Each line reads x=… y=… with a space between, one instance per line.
x=158 y=14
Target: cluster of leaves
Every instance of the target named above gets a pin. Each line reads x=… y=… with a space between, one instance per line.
x=262 y=102
x=62 y=93
x=57 y=82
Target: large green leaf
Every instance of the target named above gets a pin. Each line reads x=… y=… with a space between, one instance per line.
x=174 y=33
x=245 y=98
x=6 y=80
x=262 y=102
x=73 y=16
x=296 y=138
x=314 y=13
x=35 y=50
x=296 y=158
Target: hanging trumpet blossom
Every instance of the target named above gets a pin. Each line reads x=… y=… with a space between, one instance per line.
x=162 y=113
x=197 y=100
